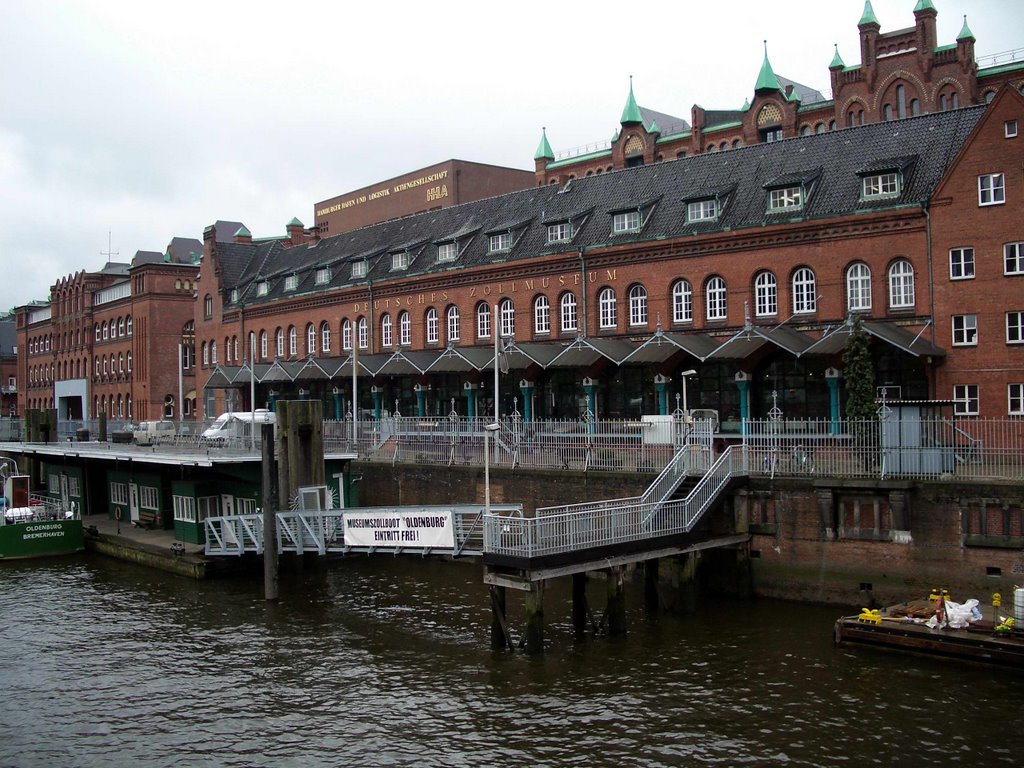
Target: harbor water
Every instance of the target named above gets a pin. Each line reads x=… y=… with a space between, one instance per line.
x=386 y=662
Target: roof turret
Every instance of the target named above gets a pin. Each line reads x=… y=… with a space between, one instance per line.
x=544 y=149
x=837 y=60
x=965 y=32
x=631 y=112
x=868 y=17
x=766 y=79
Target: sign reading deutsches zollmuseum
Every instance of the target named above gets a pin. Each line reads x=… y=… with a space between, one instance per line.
x=427 y=530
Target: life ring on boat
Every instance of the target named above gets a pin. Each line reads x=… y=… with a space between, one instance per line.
x=117 y=513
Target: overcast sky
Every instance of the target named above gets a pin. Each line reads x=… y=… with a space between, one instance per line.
x=153 y=120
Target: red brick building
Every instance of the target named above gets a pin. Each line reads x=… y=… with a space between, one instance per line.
x=8 y=367
x=744 y=268
x=452 y=182
x=902 y=73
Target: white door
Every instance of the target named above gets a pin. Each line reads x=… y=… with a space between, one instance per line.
x=227 y=504
x=133 y=502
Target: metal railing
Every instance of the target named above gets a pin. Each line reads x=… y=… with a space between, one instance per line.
x=323 y=531
x=590 y=526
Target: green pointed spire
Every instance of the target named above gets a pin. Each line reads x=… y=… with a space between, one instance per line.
x=837 y=60
x=924 y=5
x=543 y=149
x=766 y=79
x=294 y=222
x=746 y=105
x=631 y=112
x=868 y=17
x=965 y=33
x=243 y=232
x=654 y=127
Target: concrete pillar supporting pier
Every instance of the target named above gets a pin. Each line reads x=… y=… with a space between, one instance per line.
x=535 y=618
x=616 y=601
x=579 y=604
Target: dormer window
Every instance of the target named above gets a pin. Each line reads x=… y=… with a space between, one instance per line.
x=233 y=296
x=628 y=221
x=502 y=241
x=447 y=251
x=786 y=198
x=400 y=260
x=291 y=282
x=359 y=268
x=702 y=210
x=323 y=276
x=560 y=232
x=880 y=185
x=262 y=288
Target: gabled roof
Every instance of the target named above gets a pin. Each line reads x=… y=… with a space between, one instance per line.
x=832 y=160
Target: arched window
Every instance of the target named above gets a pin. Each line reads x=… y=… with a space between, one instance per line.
x=293 y=340
x=386 y=338
x=716 y=299
x=858 y=287
x=206 y=355
x=766 y=295
x=362 y=333
x=483 y=320
x=405 y=329
x=433 y=327
x=234 y=348
x=325 y=337
x=637 y=305
x=106 y=331
x=96 y=329
x=887 y=112
x=901 y=101
x=120 y=407
x=507 y=313
x=901 y=284
x=208 y=306
x=454 y=330
x=279 y=342
x=264 y=348
x=346 y=333
x=567 y=313
x=310 y=339
x=106 y=366
x=541 y=315
x=128 y=325
x=120 y=326
x=682 y=302
x=804 y=295
x=915 y=107
x=606 y=309
x=96 y=360
x=213 y=352
x=120 y=362
x=227 y=350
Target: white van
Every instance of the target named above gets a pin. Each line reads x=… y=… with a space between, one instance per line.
x=151 y=432
x=238 y=424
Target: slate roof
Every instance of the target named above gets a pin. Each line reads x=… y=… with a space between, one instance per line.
x=147 y=257
x=806 y=94
x=668 y=124
x=181 y=249
x=226 y=230
x=8 y=336
x=830 y=165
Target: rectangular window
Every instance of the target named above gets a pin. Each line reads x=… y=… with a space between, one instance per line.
x=400 y=260
x=73 y=489
x=966 y=397
x=209 y=506
x=148 y=497
x=262 y=288
x=245 y=506
x=880 y=185
x=233 y=296
x=118 y=493
x=1015 y=327
x=1013 y=259
x=323 y=276
x=500 y=242
x=184 y=508
x=559 y=233
x=785 y=199
x=965 y=330
x=991 y=189
x=702 y=210
x=359 y=268
x=291 y=282
x=1015 y=398
x=447 y=252
x=626 y=222
x=961 y=263
x=1010 y=129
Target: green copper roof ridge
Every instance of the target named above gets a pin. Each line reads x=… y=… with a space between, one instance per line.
x=243 y=232
x=868 y=17
x=837 y=60
x=965 y=32
x=653 y=128
x=924 y=5
x=766 y=79
x=544 y=148
x=631 y=112
x=295 y=222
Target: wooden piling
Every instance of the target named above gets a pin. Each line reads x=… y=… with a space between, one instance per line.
x=579 y=603
x=269 y=494
x=535 y=618
x=616 y=602
x=500 y=639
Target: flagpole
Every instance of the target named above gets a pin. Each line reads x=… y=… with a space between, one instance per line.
x=252 y=390
x=496 y=416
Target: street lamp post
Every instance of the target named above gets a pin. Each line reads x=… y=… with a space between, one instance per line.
x=685 y=374
x=488 y=429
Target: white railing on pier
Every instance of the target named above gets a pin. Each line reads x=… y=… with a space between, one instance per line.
x=591 y=526
x=323 y=531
